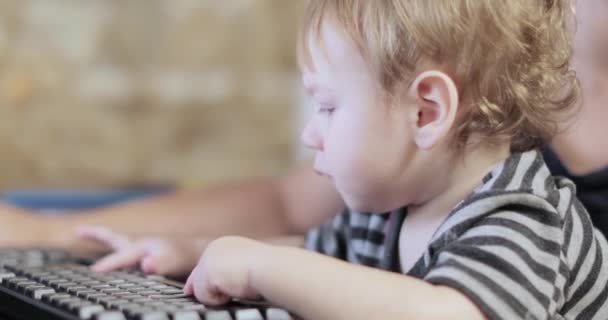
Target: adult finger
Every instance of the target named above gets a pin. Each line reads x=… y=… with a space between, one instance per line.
x=103 y=235
x=126 y=257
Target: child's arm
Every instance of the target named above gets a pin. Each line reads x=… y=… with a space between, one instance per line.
x=318 y=287
x=335 y=289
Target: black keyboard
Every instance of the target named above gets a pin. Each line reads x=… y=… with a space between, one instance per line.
x=52 y=284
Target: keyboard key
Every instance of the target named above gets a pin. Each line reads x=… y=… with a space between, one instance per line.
x=74 y=290
x=111 y=302
x=94 y=296
x=90 y=283
x=131 y=296
x=142 y=300
x=185 y=315
x=218 y=315
x=249 y=314
x=52 y=297
x=20 y=286
x=277 y=314
x=75 y=306
x=172 y=291
x=121 y=294
x=13 y=268
x=104 y=299
x=194 y=306
x=63 y=285
x=81 y=279
x=41 y=292
x=10 y=281
x=47 y=279
x=66 y=273
x=39 y=275
x=85 y=293
x=87 y=311
x=5 y=275
x=116 y=281
x=68 y=304
x=152 y=315
x=13 y=283
x=181 y=300
x=172 y=296
x=109 y=315
x=101 y=286
x=111 y=290
x=129 y=308
x=54 y=282
x=29 y=290
x=147 y=292
x=159 y=287
x=168 y=296
x=123 y=305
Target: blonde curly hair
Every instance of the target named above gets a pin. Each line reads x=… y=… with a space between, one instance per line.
x=510 y=59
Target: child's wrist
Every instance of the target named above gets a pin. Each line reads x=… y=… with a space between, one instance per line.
x=260 y=266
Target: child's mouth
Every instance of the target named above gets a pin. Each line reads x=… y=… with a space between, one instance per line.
x=322 y=174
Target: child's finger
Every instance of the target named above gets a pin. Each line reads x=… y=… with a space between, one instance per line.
x=104 y=235
x=124 y=258
x=188 y=287
x=213 y=296
x=205 y=292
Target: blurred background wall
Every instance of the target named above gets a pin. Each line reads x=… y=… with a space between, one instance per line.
x=106 y=93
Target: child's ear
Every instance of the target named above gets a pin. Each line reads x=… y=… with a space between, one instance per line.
x=436 y=99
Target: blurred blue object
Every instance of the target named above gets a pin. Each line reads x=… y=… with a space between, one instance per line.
x=73 y=199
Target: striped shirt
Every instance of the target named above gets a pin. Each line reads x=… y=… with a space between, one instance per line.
x=520 y=246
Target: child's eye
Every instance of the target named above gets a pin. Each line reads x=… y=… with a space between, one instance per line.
x=326 y=109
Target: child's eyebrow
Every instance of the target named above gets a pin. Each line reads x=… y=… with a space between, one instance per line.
x=314 y=88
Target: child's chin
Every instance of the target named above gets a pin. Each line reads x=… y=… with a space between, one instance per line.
x=361 y=206
x=358 y=205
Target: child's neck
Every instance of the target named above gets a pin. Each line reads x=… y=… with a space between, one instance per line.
x=465 y=176
x=425 y=218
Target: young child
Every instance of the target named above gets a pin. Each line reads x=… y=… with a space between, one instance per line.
x=428 y=116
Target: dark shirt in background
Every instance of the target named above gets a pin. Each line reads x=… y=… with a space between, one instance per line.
x=591 y=189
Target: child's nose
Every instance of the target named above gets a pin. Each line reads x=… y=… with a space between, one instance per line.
x=311 y=137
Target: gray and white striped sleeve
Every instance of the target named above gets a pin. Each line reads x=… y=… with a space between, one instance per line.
x=508 y=264
x=329 y=239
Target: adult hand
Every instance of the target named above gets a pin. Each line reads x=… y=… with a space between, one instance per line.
x=163 y=256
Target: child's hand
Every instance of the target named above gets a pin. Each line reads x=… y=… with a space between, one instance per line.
x=153 y=255
x=223 y=271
